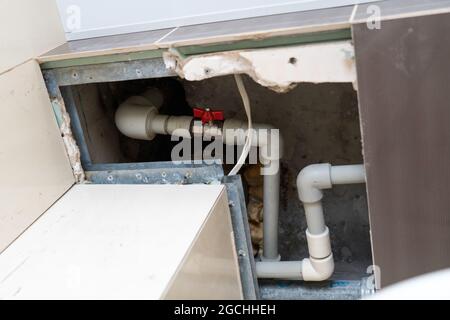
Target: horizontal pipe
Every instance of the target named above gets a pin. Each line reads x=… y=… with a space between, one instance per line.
x=349 y=174
x=279 y=270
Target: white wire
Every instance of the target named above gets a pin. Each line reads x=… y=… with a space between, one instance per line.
x=248 y=141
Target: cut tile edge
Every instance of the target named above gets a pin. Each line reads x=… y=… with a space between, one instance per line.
x=279 y=69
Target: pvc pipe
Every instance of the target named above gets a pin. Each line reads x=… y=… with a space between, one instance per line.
x=312 y=180
x=291 y=270
x=132 y=117
x=319 y=246
x=235 y=132
x=271 y=202
x=308 y=269
x=348 y=174
x=157 y=124
x=314 y=217
x=310 y=183
x=317 y=269
x=179 y=122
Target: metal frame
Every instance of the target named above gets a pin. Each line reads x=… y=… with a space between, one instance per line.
x=59 y=80
x=110 y=72
x=242 y=238
x=58 y=83
x=154 y=173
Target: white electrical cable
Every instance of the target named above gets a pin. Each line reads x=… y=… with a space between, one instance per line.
x=248 y=141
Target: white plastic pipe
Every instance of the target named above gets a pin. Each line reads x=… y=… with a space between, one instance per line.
x=288 y=270
x=348 y=174
x=271 y=203
x=310 y=183
x=270 y=153
x=138 y=118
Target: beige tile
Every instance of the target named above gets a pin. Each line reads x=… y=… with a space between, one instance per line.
x=28 y=28
x=34 y=167
x=211 y=261
x=268 y=25
x=126 y=242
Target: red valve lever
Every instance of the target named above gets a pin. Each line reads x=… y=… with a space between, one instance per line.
x=207 y=115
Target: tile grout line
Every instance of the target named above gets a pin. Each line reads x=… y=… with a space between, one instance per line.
x=352 y=16
x=167 y=34
x=16 y=66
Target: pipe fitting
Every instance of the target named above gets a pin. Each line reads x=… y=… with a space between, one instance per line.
x=311 y=180
x=317 y=269
x=132 y=118
x=319 y=245
x=235 y=133
x=138 y=117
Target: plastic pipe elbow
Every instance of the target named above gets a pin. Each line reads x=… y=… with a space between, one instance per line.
x=311 y=180
x=132 y=118
x=317 y=269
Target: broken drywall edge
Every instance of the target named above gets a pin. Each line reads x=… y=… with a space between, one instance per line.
x=279 y=69
x=70 y=144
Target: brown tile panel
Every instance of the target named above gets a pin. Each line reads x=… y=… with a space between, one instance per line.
x=404 y=95
x=398 y=8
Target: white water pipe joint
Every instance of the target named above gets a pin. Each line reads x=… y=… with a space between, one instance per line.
x=319 y=244
x=317 y=269
x=311 y=180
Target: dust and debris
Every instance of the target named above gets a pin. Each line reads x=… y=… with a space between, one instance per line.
x=72 y=149
x=279 y=69
x=255 y=206
x=214 y=65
